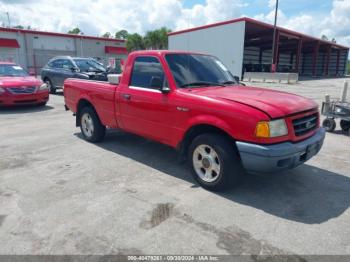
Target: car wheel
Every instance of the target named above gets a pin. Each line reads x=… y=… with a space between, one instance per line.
x=51 y=88
x=329 y=124
x=215 y=162
x=345 y=125
x=90 y=125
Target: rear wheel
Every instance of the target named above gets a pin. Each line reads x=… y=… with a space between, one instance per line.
x=90 y=125
x=215 y=162
x=345 y=125
x=329 y=124
x=51 y=88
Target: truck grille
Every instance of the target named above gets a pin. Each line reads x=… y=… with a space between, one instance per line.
x=22 y=89
x=304 y=125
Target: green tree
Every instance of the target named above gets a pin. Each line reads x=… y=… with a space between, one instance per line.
x=157 y=39
x=348 y=68
x=134 y=42
x=75 y=31
x=107 y=35
x=19 y=27
x=324 y=37
x=122 y=34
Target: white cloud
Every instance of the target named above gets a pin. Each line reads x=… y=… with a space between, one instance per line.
x=95 y=17
x=98 y=16
x=335 y=24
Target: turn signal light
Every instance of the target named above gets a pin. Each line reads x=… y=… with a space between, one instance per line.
x=262 y=130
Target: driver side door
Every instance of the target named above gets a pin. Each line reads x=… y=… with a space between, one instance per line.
x=144 y=109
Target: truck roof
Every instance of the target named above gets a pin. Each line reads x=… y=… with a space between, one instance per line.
x=165 y=52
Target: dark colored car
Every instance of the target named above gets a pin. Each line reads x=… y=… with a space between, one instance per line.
x=60 y=68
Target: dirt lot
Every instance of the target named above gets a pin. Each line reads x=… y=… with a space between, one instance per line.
x=127 y=195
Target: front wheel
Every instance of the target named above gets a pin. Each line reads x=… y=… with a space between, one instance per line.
x=345 y=125
x=215 y=162
x=329 y=124
x=51 y=88
x=90 y=125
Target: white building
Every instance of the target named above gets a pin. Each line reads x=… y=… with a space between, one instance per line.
x=245 y=45
x=32 y=49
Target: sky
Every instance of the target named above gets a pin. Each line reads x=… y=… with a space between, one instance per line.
x=95 y=17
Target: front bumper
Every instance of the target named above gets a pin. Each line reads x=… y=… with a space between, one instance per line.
x=271 y=158
x=24 y=99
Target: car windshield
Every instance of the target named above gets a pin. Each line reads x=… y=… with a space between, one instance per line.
x=12 y=70
x=89 y=65
x=195 y=70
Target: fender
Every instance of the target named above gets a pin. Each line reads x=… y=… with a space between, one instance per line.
x=209 y=120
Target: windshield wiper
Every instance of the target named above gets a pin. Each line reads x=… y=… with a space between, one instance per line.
x=229 y=83
x=201 y=83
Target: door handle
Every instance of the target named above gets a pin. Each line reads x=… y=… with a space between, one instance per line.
x=126 y=96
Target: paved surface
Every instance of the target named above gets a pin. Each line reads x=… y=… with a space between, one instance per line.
x=62 y=195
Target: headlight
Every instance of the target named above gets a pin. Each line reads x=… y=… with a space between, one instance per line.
x=273 y=128
x=43 y=87
x=2 y=90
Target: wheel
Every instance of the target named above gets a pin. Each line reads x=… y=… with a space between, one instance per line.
x=345 y=125
x=90 y=125
x=329 y=124
x=52 y=89
x=214 y=162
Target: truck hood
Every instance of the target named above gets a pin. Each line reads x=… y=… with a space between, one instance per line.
x=19 y=81
x=274 y=103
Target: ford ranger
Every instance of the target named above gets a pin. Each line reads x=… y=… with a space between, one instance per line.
x=191 y=102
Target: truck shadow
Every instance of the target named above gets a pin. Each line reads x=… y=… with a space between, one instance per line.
x=306 y=194
x=23 y=109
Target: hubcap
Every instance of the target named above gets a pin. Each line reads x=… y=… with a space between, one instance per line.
x=206 y=163
x=87 y=125
x=48 y=84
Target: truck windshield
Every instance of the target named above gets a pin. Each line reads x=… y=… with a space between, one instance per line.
x=12 y=70
x=89 y=65
x=194 y=70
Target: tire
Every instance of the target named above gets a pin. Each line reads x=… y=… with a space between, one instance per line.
x=329 y=124
x=214 y=162
x=52 y=89
x=90 y=125
x=345 y=125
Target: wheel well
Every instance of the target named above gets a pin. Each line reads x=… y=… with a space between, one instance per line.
x=82 y=103
x=198 y=130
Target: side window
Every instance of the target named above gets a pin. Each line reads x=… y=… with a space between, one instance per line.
x=57 y=63
x=66 y=64
x=146 y=67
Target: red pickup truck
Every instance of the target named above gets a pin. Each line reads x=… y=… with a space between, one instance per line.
x=192 y=102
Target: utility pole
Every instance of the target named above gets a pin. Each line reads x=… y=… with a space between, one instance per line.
x=273 y=64
x=8 y=19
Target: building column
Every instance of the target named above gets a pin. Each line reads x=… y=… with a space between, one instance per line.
x=326 y=65
x=338 y=60
x=275 y=52
x=297 y=60
x=314 y=58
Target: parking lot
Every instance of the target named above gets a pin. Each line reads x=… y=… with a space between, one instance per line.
x=62 y=195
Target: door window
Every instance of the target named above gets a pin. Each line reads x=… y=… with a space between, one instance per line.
x=145 y=68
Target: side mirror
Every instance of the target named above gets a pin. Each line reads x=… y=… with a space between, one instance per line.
x=32 y=72
x=74 y=69
x=236 y=78
x=113 y=79
x=157 y=83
